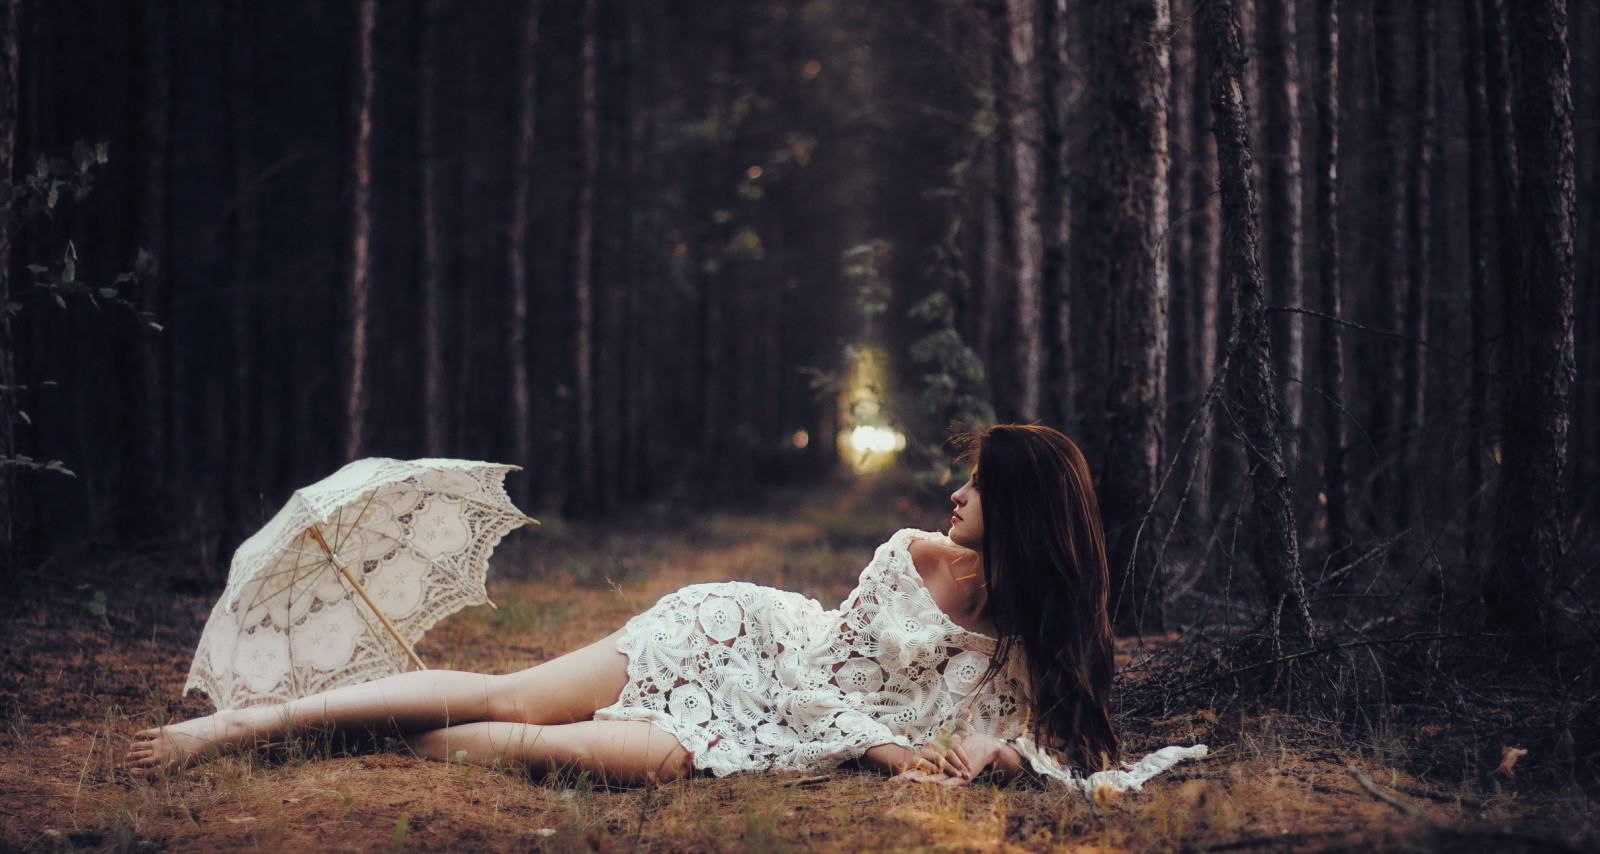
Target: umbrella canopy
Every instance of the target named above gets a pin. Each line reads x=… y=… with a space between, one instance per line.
x=339 y=585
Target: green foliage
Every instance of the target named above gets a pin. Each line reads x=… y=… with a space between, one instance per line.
x=26 y=462
x=402 y=826
x=863 y=268
x=953 y=371
x=40 y=194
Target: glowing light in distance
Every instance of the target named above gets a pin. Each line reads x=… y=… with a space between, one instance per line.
x=868 y=439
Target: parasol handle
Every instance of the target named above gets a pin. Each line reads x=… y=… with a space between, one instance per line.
x=316 y=534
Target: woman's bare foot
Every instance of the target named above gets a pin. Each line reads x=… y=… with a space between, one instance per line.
x=176 y=746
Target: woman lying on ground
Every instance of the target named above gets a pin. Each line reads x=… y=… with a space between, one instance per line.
x=987 y=650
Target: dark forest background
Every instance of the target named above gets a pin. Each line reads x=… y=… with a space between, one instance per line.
x=1312 y=282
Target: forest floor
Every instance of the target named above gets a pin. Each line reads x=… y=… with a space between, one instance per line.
x=78 y=678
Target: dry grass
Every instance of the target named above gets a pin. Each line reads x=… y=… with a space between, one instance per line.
x=74 y=687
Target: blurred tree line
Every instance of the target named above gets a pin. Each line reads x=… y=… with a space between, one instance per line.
x=1312 y=281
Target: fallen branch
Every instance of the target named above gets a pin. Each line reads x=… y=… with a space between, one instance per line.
x=1471 y=803
x=1372 y=789
x=1271 y=840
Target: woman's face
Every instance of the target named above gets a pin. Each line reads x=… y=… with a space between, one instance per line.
x=966 y=521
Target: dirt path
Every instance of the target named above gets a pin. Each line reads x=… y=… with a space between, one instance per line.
x=74 y=686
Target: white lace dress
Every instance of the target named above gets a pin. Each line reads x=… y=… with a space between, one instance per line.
x=747 y=677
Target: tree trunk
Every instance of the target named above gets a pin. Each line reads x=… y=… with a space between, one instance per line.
x=1390 y=297
x=1277 y=33
x=1419 y=211
x=1057 y=396
x=432 y=250
x=1335 y=481
x=360 y=233
x=585 y=485
x=1027 y=132
x=243 y=475
x=10 y=396
x=1250 y=387
x=1528 y=568
x=146 y=449
x=1120 y=215
x=1480 y=242
x=517 y=240
x=1205 y=241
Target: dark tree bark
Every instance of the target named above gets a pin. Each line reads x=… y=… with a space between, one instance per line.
x=1250 y=389
x=1480 y=242
x=1277 y=36
x=1027 y=132
x=1335 y=480
x=1120 y=220
x=517 y=239
x=431 y=246
x=360 y=274
x=1182 y=384
x=1585 y=468
x=584 y=487
x=991 y=262
x=1205 y=239
x=148 y=447
x=9 y=394
x=1504 y=181
x=1056 y=400
x=242 y=475
x=1419 y=201
x=1528 y=571
x=1390 y=296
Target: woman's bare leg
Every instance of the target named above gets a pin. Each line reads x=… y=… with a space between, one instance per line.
x=619 y=752
x=560 y=691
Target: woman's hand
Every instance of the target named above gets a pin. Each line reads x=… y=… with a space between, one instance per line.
x=957 y=760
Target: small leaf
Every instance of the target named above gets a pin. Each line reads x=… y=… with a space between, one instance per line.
x=102 y=152
x=97 y=605
x=41 y=167
x=59 y=301
x=108 y=293
x=157 y=327
x=145 y=263
x=24 y=416
x=53 y=196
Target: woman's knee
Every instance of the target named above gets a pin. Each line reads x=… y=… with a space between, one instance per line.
x=509 y=701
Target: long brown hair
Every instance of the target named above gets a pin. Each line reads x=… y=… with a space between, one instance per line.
x=1044 y=563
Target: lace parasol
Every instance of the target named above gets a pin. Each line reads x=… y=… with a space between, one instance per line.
x=340 y=584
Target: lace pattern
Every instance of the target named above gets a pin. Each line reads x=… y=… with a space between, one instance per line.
x=749 y=677
x=418 y=534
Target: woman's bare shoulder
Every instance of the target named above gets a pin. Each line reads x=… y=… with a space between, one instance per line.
x=932 y=558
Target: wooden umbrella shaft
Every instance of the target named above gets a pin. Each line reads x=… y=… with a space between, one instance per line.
x=316 y=533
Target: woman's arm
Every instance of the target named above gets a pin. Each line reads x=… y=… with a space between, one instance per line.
x=891 y=759
x=957 y=763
